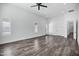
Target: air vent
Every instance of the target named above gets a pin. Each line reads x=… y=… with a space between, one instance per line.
x=71 y=10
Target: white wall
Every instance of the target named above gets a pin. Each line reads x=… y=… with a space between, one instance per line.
x=22 y=23
x=57 y=26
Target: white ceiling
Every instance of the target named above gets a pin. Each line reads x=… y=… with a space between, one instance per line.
x=53 y=9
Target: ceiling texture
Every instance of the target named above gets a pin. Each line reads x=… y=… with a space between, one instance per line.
x=53 y=9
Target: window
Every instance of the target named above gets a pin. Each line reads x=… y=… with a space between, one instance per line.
x=6 y=28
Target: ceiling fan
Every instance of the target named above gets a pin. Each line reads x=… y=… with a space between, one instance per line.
x=39 y=5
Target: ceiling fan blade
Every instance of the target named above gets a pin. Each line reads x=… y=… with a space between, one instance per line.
x=34 y=5
x=43 y=6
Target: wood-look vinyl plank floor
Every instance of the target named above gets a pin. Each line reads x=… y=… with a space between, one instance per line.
x=48 y=45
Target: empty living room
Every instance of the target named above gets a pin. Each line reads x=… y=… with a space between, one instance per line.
x=39 y=29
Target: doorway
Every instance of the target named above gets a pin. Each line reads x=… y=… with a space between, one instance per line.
x=70 y=29
x=77 y=32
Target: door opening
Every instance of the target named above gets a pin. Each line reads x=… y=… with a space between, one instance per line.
x=70 y=29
